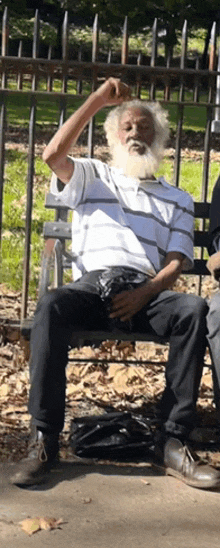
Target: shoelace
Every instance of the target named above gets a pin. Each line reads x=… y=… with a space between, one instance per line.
x=41 y=451
x=192 y=458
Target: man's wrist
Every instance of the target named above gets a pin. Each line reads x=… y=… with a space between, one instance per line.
x=149 y=290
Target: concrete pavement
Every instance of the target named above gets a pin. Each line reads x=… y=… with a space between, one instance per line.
x=106 y=506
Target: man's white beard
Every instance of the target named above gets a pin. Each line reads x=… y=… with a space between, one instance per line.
x=135 y=165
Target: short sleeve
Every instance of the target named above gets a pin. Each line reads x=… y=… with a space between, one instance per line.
x=74 y=191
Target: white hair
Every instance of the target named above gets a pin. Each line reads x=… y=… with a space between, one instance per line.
x=159 y=115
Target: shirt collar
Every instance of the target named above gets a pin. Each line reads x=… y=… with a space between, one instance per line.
x=136 y=183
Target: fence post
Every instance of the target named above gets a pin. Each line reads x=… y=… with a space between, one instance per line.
x=79 y=82
x=65 y=31
x=49 y=78
x=5 y=34
x=212 y=57
x=138 y=86
x=180 y=109
x=196 y=88
x=215 y=127
x=167 y=79
x=95 y=49
x=30 y=175
x=153 y=58
x=20 y=75
x=205 y=175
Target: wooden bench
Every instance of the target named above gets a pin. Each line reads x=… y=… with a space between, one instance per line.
x=56 y=259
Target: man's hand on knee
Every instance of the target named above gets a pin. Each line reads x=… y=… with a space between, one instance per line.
x=213 y=265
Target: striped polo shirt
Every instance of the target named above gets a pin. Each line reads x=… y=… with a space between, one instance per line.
x=119 y=221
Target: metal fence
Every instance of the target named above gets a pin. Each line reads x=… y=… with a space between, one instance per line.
x=156 y=78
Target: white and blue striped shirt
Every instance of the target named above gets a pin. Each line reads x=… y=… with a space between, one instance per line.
x=119 y=221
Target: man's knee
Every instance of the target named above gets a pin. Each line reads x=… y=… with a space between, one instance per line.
x=195 y=306
x=48 y=300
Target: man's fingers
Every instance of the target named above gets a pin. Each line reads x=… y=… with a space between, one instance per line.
x=119 y=89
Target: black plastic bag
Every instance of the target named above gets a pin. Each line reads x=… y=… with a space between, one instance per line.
x=113 y=436
x=114 y=280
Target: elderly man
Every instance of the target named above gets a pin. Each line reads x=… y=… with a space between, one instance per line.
x=130 y=226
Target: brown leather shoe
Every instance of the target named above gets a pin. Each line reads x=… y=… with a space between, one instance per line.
x=213 y=265
x=42 y=451
x=181 y=462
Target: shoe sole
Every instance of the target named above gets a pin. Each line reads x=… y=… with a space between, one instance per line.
x=31 y=481
x=170 y=472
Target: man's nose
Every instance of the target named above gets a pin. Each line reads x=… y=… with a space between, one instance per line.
x=134 y=131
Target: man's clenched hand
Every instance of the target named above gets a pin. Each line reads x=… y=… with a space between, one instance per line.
x=113 y=92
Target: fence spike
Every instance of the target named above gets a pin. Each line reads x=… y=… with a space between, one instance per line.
x=36 y=34
x=65 y=33
x=184 y=45
x=5 y=32
x=124 y=48
x=5 y=35
x=154 y=44
x=153 y=59
x=212 y=43
x=95 y=38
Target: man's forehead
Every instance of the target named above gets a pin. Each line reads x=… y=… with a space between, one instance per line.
x=136 y=113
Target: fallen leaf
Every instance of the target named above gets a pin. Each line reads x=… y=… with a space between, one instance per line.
x=50 y=523
x=30 y=525
x=4 y=390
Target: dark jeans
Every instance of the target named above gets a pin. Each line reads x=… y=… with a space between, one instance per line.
x=213 y=323
x=213 y=317
x=180 y=317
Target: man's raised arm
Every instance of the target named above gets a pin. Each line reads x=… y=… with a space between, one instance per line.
x=111 y=92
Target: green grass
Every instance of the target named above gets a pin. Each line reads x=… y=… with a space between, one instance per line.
x=191 y=176
x=14 y=201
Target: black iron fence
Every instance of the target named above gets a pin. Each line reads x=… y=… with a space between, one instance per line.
x=147 y=75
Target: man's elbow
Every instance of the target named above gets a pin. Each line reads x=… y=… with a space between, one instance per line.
x=48 y=157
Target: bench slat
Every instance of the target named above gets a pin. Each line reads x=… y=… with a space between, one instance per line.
x=61 y=229
x=57 y=229
x=54 y=202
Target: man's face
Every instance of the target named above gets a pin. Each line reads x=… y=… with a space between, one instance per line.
x=136 y=131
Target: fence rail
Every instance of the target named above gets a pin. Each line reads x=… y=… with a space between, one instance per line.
x=34 y=78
